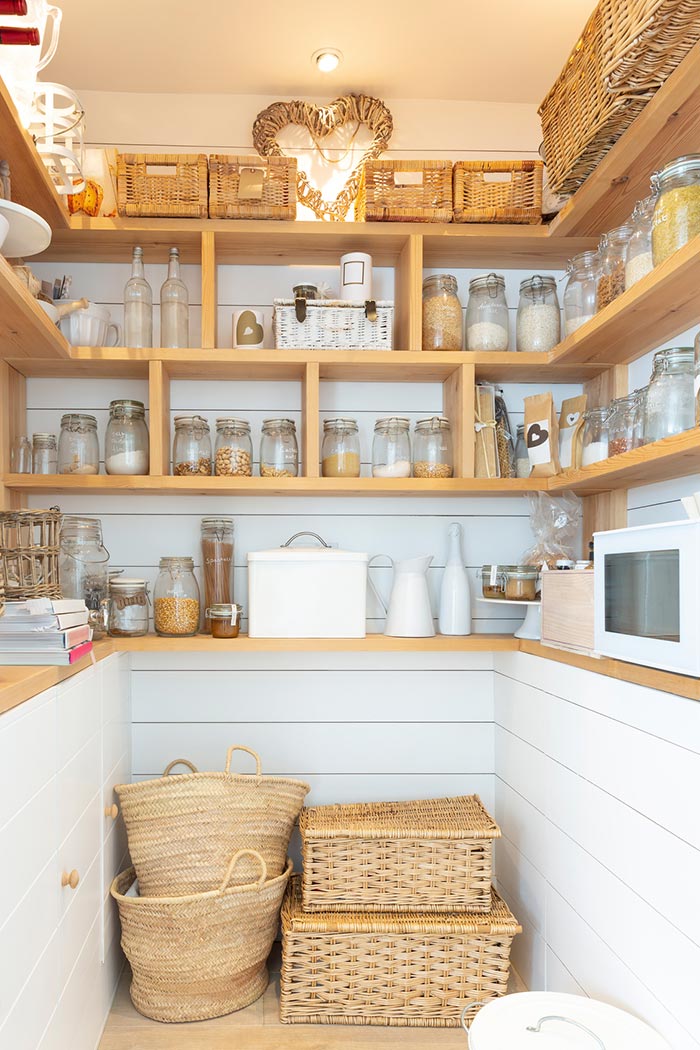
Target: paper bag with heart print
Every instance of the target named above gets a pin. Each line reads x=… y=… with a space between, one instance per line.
x=542 y=436
x=571 y=423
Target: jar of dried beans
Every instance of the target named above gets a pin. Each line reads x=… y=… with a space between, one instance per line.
x=677 y=211
x=176 y=599
x=191 y=446
x=432 y=448
x=613 y=253
x=233 y=455
x=442 y=313
x=621 y=424
x=279 y=451
x=487 y=313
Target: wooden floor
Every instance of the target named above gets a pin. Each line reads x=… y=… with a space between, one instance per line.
x=258 y=1028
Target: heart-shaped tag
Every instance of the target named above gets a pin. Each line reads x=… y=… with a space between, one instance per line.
x=320 y=121
x=537 y=435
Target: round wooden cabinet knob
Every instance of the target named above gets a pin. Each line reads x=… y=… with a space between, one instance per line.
x=112 y=811
x=71 y=880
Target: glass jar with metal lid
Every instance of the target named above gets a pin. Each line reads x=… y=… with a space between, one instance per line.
x=638 y=258
x=613 y=254
x=432 y=448
x=521 y=583
x=581 y=292
x=191 y=446
x=78 y=447
x=621 y=424
x=279 y=450
x=233 y=455
x=44 y=454
x=493 y=580
x=442 y=313
x=670 y=403
x=217 y=560
x=538 y=321
x=83 y=567
x=595 y=436
x=640 y=409
x=176 y=598
x=391 y=448
x=676 y=218
x=522 y=460
x=126 y=439
x=487 y=313
x=127 y=610
x=340 y=451
x=224 y=620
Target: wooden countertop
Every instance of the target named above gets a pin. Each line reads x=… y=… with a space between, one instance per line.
x=18 y=684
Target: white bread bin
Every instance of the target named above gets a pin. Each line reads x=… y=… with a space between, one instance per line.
x=307 y=592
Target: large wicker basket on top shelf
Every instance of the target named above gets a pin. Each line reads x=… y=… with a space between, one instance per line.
x=645 y=40
x=163 y=184
x=252 y=187
x=405 y=191
x=29 y=549
x=433 y=855
x=389 y=969
x=498 y=191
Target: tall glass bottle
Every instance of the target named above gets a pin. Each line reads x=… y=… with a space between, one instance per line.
x=174 y=307
x=138 y=305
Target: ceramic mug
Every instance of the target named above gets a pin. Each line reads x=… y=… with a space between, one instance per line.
x=356 y=277
x=248 y=329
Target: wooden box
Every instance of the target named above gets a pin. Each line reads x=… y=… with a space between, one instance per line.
x=567 y=610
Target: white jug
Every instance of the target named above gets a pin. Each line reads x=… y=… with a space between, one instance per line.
x=19 y=63
x=409 y=614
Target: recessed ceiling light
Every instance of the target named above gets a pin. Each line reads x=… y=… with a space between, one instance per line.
x=327 y=59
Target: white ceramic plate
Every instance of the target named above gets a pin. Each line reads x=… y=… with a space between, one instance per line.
x=28 y=235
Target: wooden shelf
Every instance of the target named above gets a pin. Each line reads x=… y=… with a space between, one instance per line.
x=674 y=457
x=25 y=330
x=371 y=643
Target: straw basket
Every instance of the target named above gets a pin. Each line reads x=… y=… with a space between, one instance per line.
x=162 y=184
x=426 y=856
x=183 y=829
x=498 y=191
x=405 y=191
x=386 y=969
x=205 y=954
x=252 y=187
x=29 y=550
x=645 y=40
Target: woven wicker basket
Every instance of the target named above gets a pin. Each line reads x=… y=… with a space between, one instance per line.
x=645 y=40
x=205 y=954
x=162 y=184
x=581 y=118
x=332 y=324
x=182 y=829
x=498 y=191
x=252 y=187
x=405 y=191
x=29 y=549
x=427 y=856
x=407 y=969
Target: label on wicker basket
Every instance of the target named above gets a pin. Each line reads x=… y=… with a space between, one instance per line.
x=250 y=184
x=408 y=178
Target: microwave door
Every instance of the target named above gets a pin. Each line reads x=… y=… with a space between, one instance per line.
x=642 y=594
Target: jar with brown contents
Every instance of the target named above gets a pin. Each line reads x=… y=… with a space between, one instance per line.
x=191 y=446
x=224 y=620
x=613 y=255
x=234 y=450
x=340 y=452
x=176 y=598
x=217 y=562
x=442 y=313
x=521 y=583
x=493 y=580
x=279 y=451
x=432 y=448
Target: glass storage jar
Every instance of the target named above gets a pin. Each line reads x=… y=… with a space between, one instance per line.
x=676 y=218
x=340 y=451
x=521 y=583
x=391 y=448
x=638 y=259
x=127 y=613
x=493 y=580
x=613 y=254
x=279 y=451
x=670 y=403
x=595 y=436
x=538 y=321
x=191 y=446
x=621 y=424
x=176 y=599
x=442 y=313
x=639 y=415
x=233 y=454
x=44 y=454
x=217 y=560
x=78 y=448
x=487 y=313
x=83 y=567
x=581 y=292
x=223 y=620
x=432 y=448
x=126 y=439
x=522 y=460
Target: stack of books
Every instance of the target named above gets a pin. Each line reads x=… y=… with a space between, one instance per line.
x=44 y=631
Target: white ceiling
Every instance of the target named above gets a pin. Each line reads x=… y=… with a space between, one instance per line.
x=502 y=51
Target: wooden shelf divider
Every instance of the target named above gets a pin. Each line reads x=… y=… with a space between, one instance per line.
x=311 y=421
x=209 y=296
x=159 y=420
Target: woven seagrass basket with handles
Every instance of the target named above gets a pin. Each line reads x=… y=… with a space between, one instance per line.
x=183 y=829
x=204 y=954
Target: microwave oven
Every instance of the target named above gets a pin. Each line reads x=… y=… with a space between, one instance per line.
x=647 y=595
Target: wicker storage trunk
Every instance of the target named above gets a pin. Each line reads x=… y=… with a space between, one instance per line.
x=252 y=187
x=332 y=324
x=645 y=40
x=498 y=191
x=162 y=184
x=405 y=191
x=385 y=969
x=433 y=855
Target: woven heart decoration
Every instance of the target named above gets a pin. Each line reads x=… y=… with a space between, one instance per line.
x=320 y=121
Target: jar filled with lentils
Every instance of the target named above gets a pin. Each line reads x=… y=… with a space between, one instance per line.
x=676 y=217
x=442 y=313
x=621 y=424
x=176 y=599
x=279 y=451
x=233 y=455
x=432 y=448
x=613 y=255
x=191 y=446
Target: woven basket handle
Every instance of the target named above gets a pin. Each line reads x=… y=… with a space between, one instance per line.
x=248 y=751
x=232 y=864
x=179 y=762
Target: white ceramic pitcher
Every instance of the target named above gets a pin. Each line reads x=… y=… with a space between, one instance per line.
x=20 y=64
x=409 y=614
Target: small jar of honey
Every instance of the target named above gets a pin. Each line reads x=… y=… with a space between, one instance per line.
x=225 y=620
